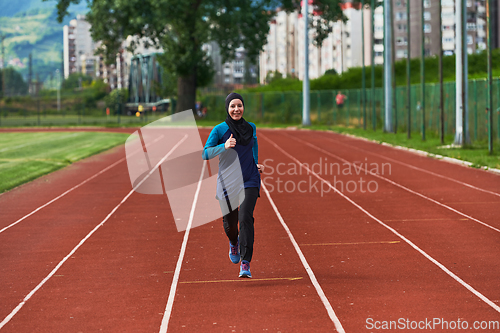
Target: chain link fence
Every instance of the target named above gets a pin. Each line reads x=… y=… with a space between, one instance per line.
x=286 y=108
x=39 y=112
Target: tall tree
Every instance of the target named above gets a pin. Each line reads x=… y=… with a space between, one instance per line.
x=181 y=28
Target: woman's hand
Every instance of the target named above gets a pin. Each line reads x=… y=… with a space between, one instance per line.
x=230 y=143
x=260 y=167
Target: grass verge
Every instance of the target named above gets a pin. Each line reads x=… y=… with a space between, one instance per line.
x=27 y=156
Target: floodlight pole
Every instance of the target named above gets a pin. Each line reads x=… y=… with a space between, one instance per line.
x=306 y=119
x=408 y=68
x=374 y=115
x=363 y=60
x=388 y=66
x=58 y=83
x=461 y=130
x=422 y=71
x=490 y=79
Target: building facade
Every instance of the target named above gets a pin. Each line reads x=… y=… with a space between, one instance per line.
x=234 y=72
x=342 y=49
x=285 y=50
x=77 y=42
x=476 y=27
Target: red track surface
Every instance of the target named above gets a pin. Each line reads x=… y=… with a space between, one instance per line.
x=119 y=279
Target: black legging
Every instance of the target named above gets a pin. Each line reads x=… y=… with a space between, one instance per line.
x=245 y=216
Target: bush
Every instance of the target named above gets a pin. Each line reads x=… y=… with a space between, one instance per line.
x=73 y=81
x=116 y=96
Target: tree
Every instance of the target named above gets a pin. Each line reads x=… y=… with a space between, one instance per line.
x=331 y=72
x=272 y=76
x=181 y=28
x=14 y=83
x=76 y=80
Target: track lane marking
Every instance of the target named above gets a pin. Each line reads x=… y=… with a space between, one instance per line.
x=394 y=183
x=52 y=273
x=177 y=272
x=245 y=280
x=417 y=168
x=354 y=243
x=406 y=240
x=312 y=277
x=72 y=189
x=410 y=220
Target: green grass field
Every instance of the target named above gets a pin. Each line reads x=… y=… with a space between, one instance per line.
x=26 y=156
x=75 y=120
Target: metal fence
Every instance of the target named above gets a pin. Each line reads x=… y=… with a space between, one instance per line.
x=76 y=116
x=286 y=108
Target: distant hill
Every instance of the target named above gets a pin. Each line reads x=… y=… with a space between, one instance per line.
x=11 y=8
x=31 y=26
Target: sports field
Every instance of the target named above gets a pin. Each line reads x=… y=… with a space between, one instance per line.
x=25 y=156
x=350 y=236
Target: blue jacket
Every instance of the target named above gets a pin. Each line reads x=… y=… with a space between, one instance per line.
x=248 y=155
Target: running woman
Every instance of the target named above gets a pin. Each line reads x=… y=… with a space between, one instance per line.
x=237 y=134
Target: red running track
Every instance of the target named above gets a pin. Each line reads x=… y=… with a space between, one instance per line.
x=424 y=245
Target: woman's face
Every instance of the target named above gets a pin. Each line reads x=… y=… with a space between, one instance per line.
x=236 y=109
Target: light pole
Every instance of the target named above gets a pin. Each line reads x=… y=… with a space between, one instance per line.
x=306 y=119
x=374 y=115
x=363 y=96
x=388 y=66
x=408 y=67
x=58 y=83
x=422 y=71
x=490 y=80
x=461 y=130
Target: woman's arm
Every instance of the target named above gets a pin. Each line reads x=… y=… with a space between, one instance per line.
x=255 y=148
x=212 y=148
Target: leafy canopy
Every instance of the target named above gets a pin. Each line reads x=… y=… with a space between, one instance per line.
x=182 y=27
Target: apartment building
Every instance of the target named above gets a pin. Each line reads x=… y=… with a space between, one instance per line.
x=77 y=42
x=79 y=55
x=285 y=50
x=236 y=71
x=476 y=27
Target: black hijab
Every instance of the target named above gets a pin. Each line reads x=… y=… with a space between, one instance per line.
x=242 y=131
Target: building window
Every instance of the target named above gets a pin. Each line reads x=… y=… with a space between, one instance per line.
x=400 y=16
x=427 y=16
x=470 y=40
x=471 y=26
x=427 y=28
x=401 y=41
x=402 y=27
x=401 y=53
x=427 y=3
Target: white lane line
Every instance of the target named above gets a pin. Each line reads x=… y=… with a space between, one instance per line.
x=358 y=167
x=72 y=189
x=63 y=194
x=175 y=280
x=417 y=168
x=40 y=285
x=312 y=277
x=434 y=261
